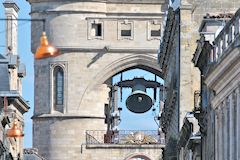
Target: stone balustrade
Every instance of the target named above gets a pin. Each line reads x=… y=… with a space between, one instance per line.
x=227 y=39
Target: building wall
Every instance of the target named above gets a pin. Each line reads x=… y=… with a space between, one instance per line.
x=121 y=152
x=225 y=108
x=219 y=65
x=88 y=62
x=188 y=77
x=191 y=14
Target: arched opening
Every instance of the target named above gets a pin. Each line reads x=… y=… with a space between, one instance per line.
x=134 y=121
x=138 y=157
x=138 y=65
x=146 y=62
x=125 y=127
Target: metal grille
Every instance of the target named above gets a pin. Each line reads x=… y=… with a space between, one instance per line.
x=124 y=137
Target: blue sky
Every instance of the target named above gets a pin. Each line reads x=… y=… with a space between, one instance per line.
x=129 y=120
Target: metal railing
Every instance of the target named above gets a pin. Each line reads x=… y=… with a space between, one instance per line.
x=124 y=137
x=229 y=34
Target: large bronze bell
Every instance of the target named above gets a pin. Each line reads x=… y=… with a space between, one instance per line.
x=139 y=101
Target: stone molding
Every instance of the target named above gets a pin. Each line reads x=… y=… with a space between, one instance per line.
x=108 y=49
x=150 y=18
x=89 y=29
x=142 y=155
x=64 y=116
x=168 y=35
x=125 y=63
x=151 y=15
x=64 y=66
x=212 y=80
x=11 y=5
x=119 y=28
x=124 y=146
x=109 y=1
x=149 y=23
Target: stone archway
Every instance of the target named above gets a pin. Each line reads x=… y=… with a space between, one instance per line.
x=138 y=157
x=147 y=62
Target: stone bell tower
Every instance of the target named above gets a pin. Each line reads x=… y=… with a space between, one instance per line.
x=97 y=40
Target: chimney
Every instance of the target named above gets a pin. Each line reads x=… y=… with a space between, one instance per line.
x=11 y=13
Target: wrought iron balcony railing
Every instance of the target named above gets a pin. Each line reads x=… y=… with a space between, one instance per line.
x=124 y=137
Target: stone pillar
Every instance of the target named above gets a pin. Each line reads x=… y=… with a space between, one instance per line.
x=231 y=131
x=224 y=135
x=189 y=75
x=115 y=108
x=225 y=128
x=238 y=121
x=217 y=129
x=220 y=138
x=11 y=12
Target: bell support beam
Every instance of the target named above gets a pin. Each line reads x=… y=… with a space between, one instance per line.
x=146 y=83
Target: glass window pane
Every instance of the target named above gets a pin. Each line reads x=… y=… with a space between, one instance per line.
x=155 y=33
x=58 y=85
x=126 y=33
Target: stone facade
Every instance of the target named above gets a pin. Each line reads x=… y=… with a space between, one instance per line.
x=97 y=39
x=189 y=140
x=168 y=61
x=219 y=109
x=175 y=56
x=122 y=152
x=12 y=104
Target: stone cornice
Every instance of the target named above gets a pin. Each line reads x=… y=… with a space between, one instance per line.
x=11 y=5
x=189 y=131
x=229 y=86
x=108 y=49
x=168 y=110
x=202 y=117
x=17 y=100
x=167 y=39
x=201 y=55
x=199 y=49
x=185 y=133
x=150 y=15
x=21 y=105
x=118 y=146
x=65 y=116
x=126 y=18
x=109 y=1
x=222 y=68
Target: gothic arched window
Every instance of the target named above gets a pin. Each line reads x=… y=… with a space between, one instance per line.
x=58 y=84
